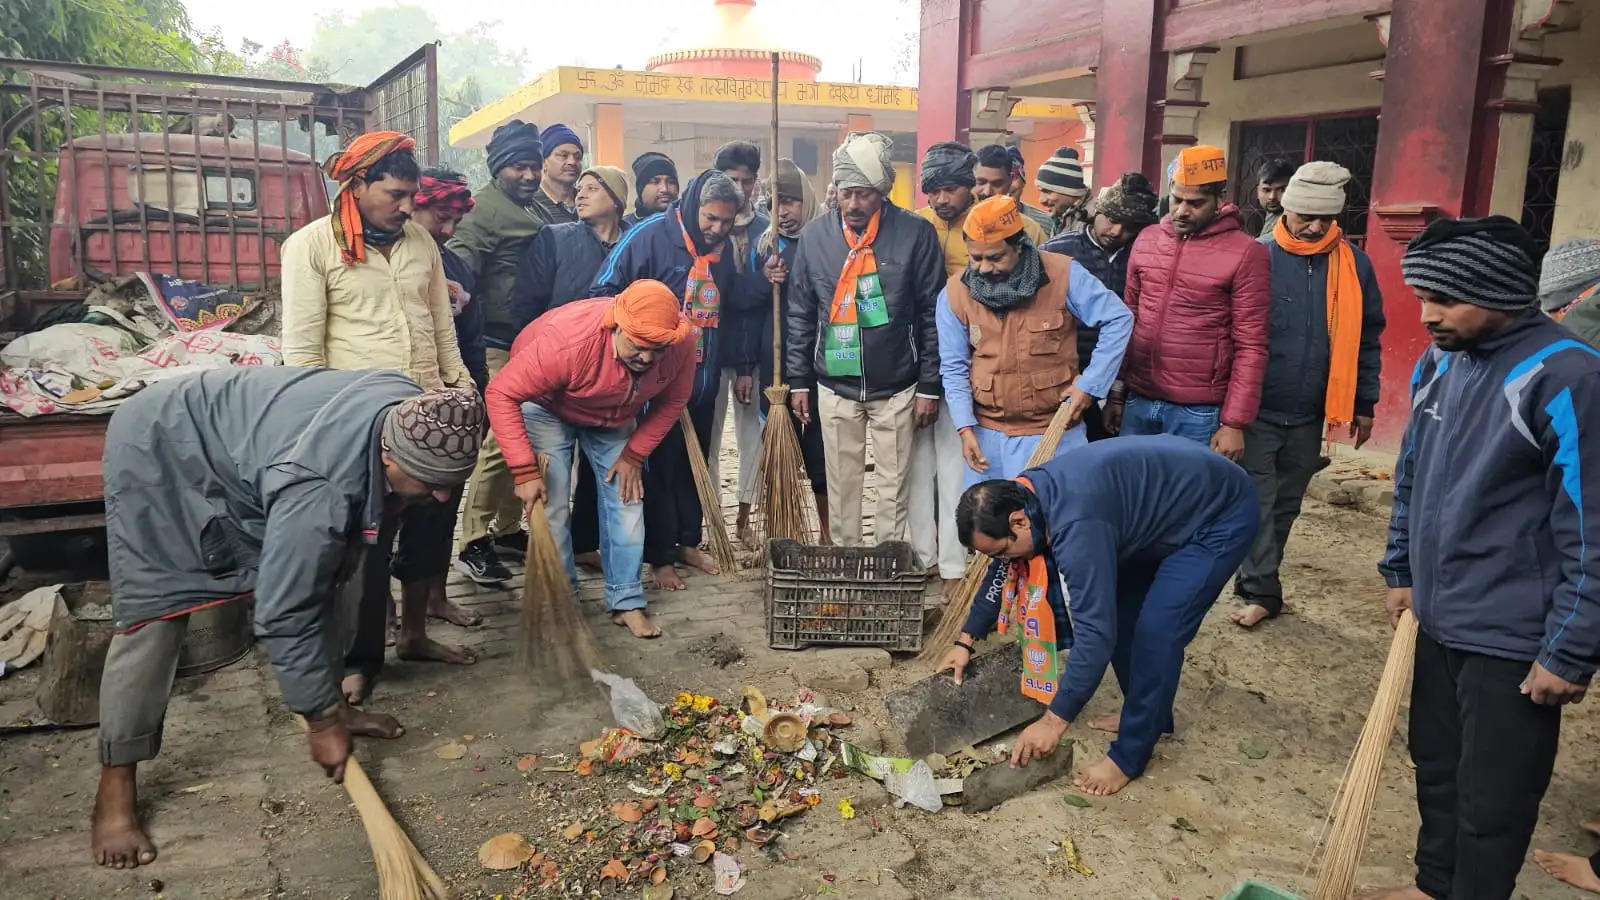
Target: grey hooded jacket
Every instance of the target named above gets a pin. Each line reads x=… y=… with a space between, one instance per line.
x=248 y=480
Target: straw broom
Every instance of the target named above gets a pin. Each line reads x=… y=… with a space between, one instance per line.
x=557 y=645
x=403 y=873
x=955 y=614
x=710 y=499
x=781 y=497
x=1351 y=815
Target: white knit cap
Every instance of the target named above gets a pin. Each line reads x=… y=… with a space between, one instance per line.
x=1317 y=189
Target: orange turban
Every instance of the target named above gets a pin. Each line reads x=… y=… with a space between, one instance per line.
x=993 y=219
x=1200 y=164
x=345 y=167
x=647 y=312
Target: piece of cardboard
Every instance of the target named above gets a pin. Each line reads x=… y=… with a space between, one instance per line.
x=936 y=715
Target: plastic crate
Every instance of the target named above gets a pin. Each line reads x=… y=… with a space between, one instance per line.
x=1256 y=890
x=858 y=596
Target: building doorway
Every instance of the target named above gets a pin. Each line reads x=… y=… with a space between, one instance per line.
x=1349 y=139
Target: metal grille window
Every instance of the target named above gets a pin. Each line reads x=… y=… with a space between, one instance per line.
x=1544 y=164
x=1349 y=139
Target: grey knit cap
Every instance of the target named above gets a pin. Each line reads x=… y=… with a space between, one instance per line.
x=434 y=437
x=1569 y=270
x=1488 y=262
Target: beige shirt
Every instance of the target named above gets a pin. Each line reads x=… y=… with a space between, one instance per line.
x=389 y=313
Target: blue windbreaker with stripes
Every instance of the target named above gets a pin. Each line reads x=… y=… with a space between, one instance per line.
x=1496 y=520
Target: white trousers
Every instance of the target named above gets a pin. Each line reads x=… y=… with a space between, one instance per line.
x=746 y=435
x=937 y=476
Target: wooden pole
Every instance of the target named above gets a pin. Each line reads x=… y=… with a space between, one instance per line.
x=772 y=229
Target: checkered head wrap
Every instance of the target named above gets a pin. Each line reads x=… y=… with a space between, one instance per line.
x=1488 y=262
x=435 y=437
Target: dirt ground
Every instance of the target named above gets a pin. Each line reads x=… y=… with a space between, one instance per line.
x=239 y=811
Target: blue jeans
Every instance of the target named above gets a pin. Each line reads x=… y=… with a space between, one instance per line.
x=1141 y=415
x=621 y=524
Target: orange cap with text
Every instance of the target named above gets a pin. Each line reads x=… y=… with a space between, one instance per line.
x=993 y=219
x=1200 y=164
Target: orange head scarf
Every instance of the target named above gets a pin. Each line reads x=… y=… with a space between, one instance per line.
x=1344 y=315
x=345 y=167
x=648 y=313
x=993 y=219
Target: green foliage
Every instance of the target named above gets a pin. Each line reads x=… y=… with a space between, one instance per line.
x=473 y=67
x=140 y=33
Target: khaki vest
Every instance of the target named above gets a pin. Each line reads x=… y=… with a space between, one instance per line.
x=1024 y=361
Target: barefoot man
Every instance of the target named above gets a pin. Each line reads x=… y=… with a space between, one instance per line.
x=1142 y=533
x=265 y=481
x=578 y=378
x=1491 y=542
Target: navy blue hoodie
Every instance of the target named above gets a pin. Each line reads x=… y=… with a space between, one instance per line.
x=1133 y=500
x=1500 y=471
x=654 y=249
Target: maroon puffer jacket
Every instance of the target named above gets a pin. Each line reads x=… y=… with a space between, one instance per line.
x=1201 y=307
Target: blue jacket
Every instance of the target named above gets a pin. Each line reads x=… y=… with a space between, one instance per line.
x=654 y=249
x=752 y=298
x=1500 y=467
x=1295 y=388
x=470 y=324
x=1129 y=501
x=1111 y=269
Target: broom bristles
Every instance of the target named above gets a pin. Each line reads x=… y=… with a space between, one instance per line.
x=403 y=872
x=557 y=644
x=1350 y=817
x=955 y=613
x=710 y=500
x=782 y=499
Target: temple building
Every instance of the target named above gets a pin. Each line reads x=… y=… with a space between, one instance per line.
x=687 y=103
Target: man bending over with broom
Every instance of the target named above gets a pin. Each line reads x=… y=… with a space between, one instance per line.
x=1143 y=533
x=266 y=481
x=1493 y=536
x=578 y=378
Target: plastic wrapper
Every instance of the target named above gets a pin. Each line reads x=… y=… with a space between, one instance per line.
x=630 y=707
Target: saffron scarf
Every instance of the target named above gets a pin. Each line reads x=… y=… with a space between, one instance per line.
x=857 y=302
x=702 y=301
x=1344 y=315
x=1025 y=602
x=345 y=167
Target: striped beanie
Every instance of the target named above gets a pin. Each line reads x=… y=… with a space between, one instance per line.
x=1487 y=262
x=1569 y=270
x=1062 y=173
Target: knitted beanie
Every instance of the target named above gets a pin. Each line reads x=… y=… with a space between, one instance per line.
x=1317 y=189
x=1488 y=262
x=1569 y=270
x=1062 y=173
x=434 y=437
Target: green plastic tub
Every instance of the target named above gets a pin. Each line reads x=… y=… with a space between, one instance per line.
x=1255 y=890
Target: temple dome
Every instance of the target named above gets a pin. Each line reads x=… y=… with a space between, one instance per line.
x=739 y=46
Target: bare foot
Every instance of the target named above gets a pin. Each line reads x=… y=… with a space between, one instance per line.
x=356 y=688
x=1107 y=723
x=1568 y=868
x=441 y=608
x=1400 y=893
x=694 y=556
x=589 y=559
x=115 y=838
x=1249 y=615
x=950 y=589
x=638 y=622
x=426 y=649
x=1101 y=779
x=1592 y=826
x=666 y=578
x=741 y=526
x=373 y=725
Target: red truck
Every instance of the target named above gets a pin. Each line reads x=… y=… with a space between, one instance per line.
x=130 y=170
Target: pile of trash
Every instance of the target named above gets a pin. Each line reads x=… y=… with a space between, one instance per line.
x=676 y=793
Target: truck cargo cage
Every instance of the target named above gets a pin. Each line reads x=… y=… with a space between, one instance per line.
x=106 y=171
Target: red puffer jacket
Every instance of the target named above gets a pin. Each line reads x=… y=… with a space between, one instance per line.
x=1201 y=307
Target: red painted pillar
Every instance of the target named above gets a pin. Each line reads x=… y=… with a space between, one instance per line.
x=1130 y=79
x=944 y=111
x=1436 y=147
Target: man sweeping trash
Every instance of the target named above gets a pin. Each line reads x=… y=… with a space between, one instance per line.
x=578 y=379
x=264 y=481
x=1142 y=533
